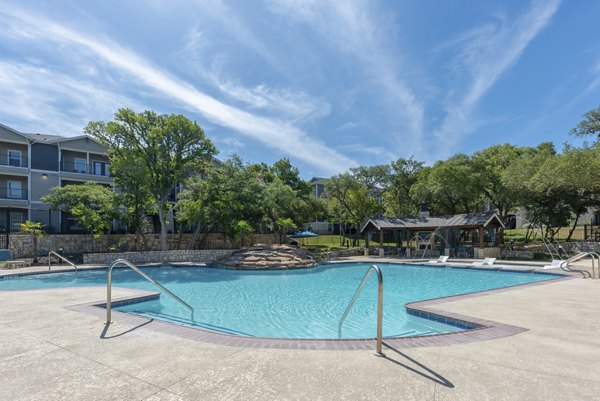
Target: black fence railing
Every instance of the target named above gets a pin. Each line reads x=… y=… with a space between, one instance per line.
x=13 y=226
x=12 y=160
x=95 y=168
x=13 y=193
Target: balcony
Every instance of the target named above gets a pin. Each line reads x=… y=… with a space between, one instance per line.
x=12 y=160
x=95 y=168
x=13 y=193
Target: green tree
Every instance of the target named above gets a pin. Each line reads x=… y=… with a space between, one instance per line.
x=131 y=178
x=243 y=229
x=36 y=230
x=351 y=200
x=490 y=165
x=573 y=180
x=93 y=205
x=404 y=174
x=278 y=200
x=165 y=148
x=530 y=178
x=290 y=176
x=590 y=125
x=222 y=198
x=455 y=186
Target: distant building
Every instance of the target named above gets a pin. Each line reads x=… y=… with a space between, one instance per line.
x=318 y=186
x=32 y=164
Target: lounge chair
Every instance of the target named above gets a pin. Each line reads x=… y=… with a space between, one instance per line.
x=441 y=259
x=485 y=262
x=555 y=264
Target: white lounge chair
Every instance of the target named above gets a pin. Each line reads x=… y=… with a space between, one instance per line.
x=485 y=262
x=441 y=259
x=555 y=264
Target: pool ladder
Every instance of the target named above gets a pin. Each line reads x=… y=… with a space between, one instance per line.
x=60 y=257
x=144 y=275
x=378 y=351
x=595 y=264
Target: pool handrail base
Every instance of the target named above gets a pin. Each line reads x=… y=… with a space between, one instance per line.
x=144 y=275
x=379 y=306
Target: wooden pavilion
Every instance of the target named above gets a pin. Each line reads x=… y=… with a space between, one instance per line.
x=484 y=230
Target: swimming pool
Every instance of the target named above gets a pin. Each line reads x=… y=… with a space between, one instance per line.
x=294 y=303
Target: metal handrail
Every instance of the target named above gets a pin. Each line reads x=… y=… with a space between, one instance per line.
x=595 y=263
x=60 y=257
x=379 y=307
x=548 y=242
x=144 y=275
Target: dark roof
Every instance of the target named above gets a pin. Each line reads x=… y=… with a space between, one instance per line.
x=457 y=220
x=44 y=137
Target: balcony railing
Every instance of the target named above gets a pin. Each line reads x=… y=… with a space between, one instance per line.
x=15 y=226
x=7 y=160
x=96 y=168
x=13 y=193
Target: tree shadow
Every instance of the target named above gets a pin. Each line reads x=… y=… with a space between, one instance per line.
x=423 y=370
x=106 y=327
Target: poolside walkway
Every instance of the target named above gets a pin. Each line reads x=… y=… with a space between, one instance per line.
x=49 y=352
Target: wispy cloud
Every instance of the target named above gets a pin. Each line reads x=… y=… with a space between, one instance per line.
x=381 y=154
x=355 y=29
x=274 y=133
x=294 y=105
x=484 y=55
x=289 y=104
x=28 y=93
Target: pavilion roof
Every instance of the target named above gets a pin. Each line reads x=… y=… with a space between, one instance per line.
x=467 y=220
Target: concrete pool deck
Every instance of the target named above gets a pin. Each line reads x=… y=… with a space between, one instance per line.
x=50 y=351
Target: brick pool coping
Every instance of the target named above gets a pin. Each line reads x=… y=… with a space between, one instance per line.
x=476 y=329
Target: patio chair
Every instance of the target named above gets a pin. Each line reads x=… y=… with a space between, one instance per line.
x=485 y=262
x=555 y=264
x=441 y=259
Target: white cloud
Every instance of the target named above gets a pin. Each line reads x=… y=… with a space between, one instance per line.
x=354 y=28
x=295 y=105
x=485 y=54
x=272 y=132
x=28 y=98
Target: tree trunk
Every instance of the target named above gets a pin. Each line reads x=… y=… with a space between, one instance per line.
x=574 y=227
x=194 y=236
x=163 y=228
x=35 y=253
x=180 y=236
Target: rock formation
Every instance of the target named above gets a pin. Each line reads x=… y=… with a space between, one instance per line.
x=268 y=257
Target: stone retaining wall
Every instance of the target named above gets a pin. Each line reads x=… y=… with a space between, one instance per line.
x=346 y=252
x=21 y=245
x=173 y=256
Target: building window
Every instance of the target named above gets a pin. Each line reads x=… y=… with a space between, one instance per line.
x=14 y=158
x=15 y=190
x=16 y=218
x=101 y=168
x=80 y=165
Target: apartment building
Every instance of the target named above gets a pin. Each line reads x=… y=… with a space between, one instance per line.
x=32 y=164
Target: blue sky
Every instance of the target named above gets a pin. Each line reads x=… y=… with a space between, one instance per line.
x=328 y=84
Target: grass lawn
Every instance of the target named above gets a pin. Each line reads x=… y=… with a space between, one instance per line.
x=518 y=235
x=334 y=242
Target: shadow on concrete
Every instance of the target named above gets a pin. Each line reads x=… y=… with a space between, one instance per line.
x=104 y=335
x=422 y=370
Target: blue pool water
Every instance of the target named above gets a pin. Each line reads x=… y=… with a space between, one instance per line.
x=292 y=304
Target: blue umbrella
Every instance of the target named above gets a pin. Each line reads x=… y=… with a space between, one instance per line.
x=304 y=234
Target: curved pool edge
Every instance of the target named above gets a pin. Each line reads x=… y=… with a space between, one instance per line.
x=482 y=329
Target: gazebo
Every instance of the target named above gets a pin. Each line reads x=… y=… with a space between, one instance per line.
x=452 y=232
